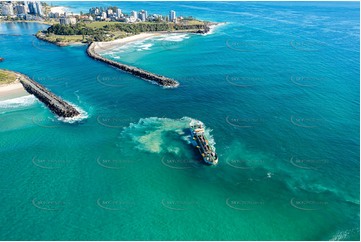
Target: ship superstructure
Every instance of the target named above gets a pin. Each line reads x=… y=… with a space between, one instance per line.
x=200 y=141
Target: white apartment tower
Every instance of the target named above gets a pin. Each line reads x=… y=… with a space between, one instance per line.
x=119 y=13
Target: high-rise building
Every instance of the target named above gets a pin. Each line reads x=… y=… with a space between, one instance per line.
x=7 y=9
x=172 y=16
x=35 y=8
x=119 y=13
x=109 y=12
x=134 y=14
x=38 y=8
x=20 y=9
x=143 y=15
x=32 y=8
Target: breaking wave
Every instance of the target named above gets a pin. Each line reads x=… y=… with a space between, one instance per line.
x=212 y=28
x=144 y=47
x=173 y=37
x=18 y=102
x=83 y=115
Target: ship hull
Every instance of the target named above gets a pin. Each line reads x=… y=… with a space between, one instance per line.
x=200 y=142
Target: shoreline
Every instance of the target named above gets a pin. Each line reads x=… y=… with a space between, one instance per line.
x=39 y=35
x=95 y=49
x=143 y=74
x=42 y=35
x=26 y=85
x=12 y=90
x=108 y=45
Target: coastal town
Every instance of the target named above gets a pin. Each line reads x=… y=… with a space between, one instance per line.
x=100 y=28
x=41 y=11
x=175 y=120
x=98 y=24
x=23 y=11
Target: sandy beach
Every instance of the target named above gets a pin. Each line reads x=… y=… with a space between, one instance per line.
x=105 y=46
x=12 y=90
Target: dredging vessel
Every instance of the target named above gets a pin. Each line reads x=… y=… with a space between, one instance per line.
x=200 y=141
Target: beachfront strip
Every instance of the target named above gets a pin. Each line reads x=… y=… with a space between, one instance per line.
x=42 y=11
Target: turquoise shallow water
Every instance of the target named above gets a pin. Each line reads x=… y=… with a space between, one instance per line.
x=277 y=87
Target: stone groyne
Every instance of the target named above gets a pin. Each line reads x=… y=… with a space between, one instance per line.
x=161 y=80
x=53 y=102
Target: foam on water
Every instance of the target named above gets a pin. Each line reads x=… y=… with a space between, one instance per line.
x=83 y=115
x=173 y=37
x=18 y=102
x=144 y=47
x=342 y=235
x=212 y=28
x=244 y=157
x=145 y=44
x=151 y=134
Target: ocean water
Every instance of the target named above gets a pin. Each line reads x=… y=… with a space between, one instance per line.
x=277 y=87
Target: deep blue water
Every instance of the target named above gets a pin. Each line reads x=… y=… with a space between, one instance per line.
x=277 y=87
